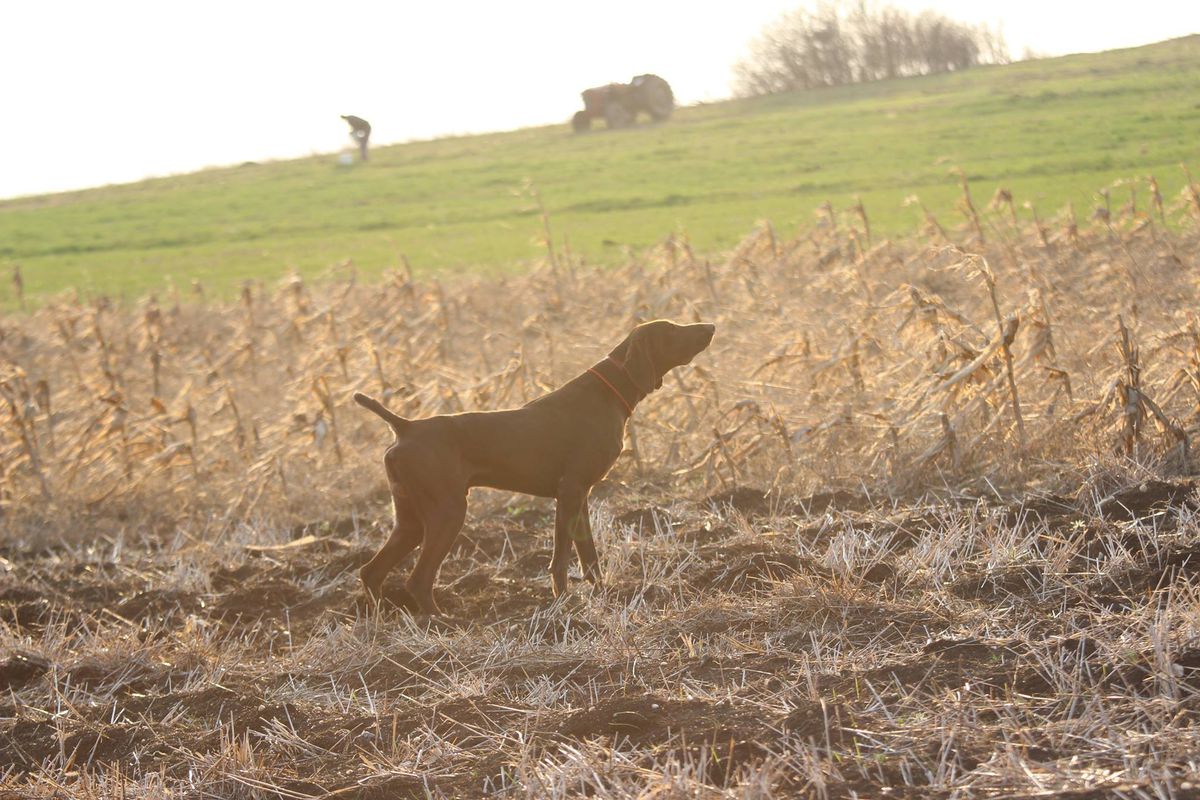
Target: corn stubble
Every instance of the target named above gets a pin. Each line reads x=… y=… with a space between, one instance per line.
x=920 y=519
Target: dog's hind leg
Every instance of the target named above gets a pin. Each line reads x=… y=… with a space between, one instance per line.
x=443 y=520
x=406 y=535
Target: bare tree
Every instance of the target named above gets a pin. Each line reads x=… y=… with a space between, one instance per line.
x=840 y=43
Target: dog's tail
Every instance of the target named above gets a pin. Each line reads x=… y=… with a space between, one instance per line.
x=397 y=422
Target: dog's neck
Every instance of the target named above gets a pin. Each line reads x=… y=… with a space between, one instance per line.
x=617 y=380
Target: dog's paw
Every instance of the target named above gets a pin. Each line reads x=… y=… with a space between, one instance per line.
x=364 y=605
x=393 y=600
x=397 y=596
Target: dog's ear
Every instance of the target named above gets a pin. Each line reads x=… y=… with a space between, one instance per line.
x=640 y=362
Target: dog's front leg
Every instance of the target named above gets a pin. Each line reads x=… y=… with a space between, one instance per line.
x=570 y=522
x=585 y=545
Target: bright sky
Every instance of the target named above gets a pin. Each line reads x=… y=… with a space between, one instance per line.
x=107 y=92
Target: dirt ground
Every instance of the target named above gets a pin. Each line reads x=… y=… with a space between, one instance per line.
x=743 y=645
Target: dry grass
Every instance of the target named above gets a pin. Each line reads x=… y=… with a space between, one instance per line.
x=919 y=519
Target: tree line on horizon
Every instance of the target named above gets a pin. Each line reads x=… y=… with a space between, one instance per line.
x=840 y=43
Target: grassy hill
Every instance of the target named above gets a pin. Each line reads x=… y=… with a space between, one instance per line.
x=1052 y=131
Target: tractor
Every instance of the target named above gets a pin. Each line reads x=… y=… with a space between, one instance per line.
x=620 y=103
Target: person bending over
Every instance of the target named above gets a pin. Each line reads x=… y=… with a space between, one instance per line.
x=360 y=132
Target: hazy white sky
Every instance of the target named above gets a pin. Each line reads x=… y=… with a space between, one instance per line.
x=110 y=91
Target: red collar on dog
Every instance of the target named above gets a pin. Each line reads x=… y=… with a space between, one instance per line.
x=611 y=384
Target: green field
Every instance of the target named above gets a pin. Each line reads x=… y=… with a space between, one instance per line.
x=1052 y=131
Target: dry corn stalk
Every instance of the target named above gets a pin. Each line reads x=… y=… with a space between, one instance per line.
x=874 y=365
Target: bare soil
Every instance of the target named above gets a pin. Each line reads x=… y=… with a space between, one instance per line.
x=235 y=668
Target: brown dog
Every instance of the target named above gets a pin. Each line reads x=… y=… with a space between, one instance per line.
x=559 y=446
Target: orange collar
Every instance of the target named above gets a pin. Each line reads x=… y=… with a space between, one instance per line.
x=612 y=388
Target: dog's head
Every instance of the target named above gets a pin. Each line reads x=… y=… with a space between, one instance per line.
x=655 y=348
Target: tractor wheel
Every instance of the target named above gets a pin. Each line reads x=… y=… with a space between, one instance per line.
x=581 y=122
x=617 y=115
x=656 y=96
